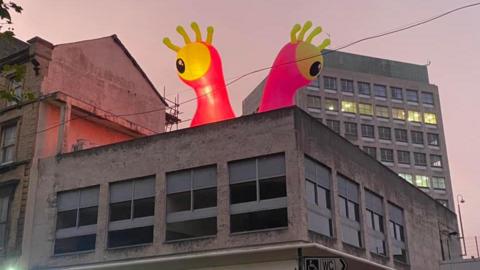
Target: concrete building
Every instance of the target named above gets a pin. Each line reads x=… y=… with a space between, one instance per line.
x=387 y=108
x=252 y=192
x=87 y=94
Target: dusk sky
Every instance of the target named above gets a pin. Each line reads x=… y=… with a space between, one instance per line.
x=249 y=33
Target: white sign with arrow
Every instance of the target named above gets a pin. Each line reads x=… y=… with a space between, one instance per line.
x=324 y=263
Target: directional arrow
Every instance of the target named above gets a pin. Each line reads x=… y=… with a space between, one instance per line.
x=324 y=263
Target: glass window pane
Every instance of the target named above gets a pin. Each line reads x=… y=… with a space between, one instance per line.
x=144 y=207
x=89 y=197
x=414 y=116
x=323 y=197
x=271 y=166
x=349 y=107
x=430 y=118
x=130 y=237
x=331 y=104
x=427 y=98
x=273 y=188
x=67 y=200
x=259 y=220
x=67 y=219
x=87 y=216
x=380 y=90
x=144 y=188
x=243 y=192
x=179 y=202
x=310 y=192
x=180 y=181
x=329 y=83
x=75 y=244
x=191 y=228
x=365 y=109
x=347 y=85
x=382 y=111
x=397 y=93
x=412 y=95
x=314 y=102
x=205 y=177
x=204 y=198
x=364 y=88
x=120 y=210
x=334 y=125
x=121 y=191
x=398 y=114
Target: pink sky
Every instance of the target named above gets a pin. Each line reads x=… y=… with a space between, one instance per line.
x=249 y=33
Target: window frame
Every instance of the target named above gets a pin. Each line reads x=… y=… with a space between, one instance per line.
x=364 y=91
x=3 y=144
x=401 y=154
x=401 y=135
x=327 y=80
x=418 y=159
x=329 y=102
x=347 y=82
x=376 y=88
x=382 y=132
x=396 y=90
x=384 y=157
x=409 y=93
x=368 y=131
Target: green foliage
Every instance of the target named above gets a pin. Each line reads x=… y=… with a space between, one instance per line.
x=15 y=73
x=6 y=9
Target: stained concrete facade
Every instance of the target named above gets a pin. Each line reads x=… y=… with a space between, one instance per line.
x=341 y=66
x=291 y=132
x=84 y=95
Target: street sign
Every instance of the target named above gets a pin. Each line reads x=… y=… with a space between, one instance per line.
x=324 y=263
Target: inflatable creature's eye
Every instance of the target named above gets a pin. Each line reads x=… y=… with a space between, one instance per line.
x=193 y=61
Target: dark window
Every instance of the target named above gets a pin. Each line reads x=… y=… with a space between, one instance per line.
x=364 y=88
x=314 y=102
x=401 y=135
x=380 y=90
x=334 y=125
x=130 y=237
x=347 y=85
x=433 y=139
x=372 y=151
x=438 y=183
x=417 y=137
x=5 y=194
x=386 y=155
x=420 y=159
x=77 y=213
x=351 y=130
x=427 y=98
x=329 y=83
x=397 y=93
x=397 y=233
x=368 y=131
x=259 y=220
x=385 y=133
x=264 y=176
x=436 y=161
x=403 y=157
x=348 y=192
x=190 y=190
x=132 y=207
x=412 y=95
x=8 y=140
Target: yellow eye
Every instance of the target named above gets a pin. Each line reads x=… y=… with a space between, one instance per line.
x=193 y=61
x=310 y=60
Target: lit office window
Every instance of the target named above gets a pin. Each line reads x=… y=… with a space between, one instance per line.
x=132 y=209
x=380 y=90
x=364 y=88
x=8 y=141
x=401 y=135
x=349 y=107
x=317 y=188
x=329 y=83
x=436 y=161
x=314 y=102
x=351 y=130
x=420 y=159
x=331 y=104
x=430 y=118
x=427 y=98
x=414 y=116
x=433 y=139
x=368 y=131
x=348 y=192
x=371 y=151
x=374 y=220
x=192 y=203
x=334 y=125
x=365 y=109
x=412 y=95
x=386 y=155
x=382 y=111
x=385 y=133
x=258 y=193
x=407 y=177
x=397 y=233
x=422 y=181
x=398 y=114
x=438 y=183
x=347 y=85
x=403 y=157
x=76 y=227
x=396 y=93
x=417 y=137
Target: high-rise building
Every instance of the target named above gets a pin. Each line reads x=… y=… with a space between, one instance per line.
x=387 y=108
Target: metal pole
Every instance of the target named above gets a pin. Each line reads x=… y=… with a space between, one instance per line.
x=461 y=225
x=476 y=243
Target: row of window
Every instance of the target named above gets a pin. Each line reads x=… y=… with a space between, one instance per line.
x=382 y=112
x=318 y=196
x=378 y=90
x=257 y=201
x=422 y=181
x=404 y=157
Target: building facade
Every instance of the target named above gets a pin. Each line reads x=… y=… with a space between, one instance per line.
x=387 y=108
x=254 y=191
x=82 y=96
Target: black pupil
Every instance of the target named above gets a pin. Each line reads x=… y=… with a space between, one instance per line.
x=181 y=65
x=315 y=68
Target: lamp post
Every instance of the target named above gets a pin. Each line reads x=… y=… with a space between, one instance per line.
x=459 y=201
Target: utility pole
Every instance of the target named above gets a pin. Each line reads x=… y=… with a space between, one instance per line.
x=459 y=201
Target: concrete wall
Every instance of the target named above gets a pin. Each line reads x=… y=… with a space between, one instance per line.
x=101 y=73
x=289 y=130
